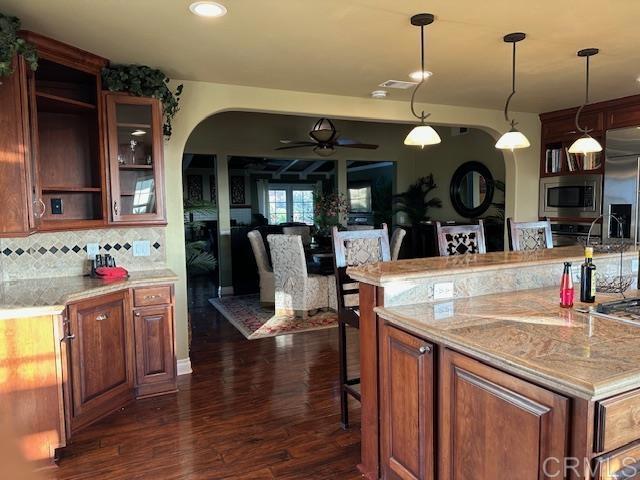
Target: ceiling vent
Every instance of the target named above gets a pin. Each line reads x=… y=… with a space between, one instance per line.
x=398 y=84
x=457 y=131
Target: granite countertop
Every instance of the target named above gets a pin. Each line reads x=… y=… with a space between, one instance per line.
x=527 y=333
x=384 y=273
x=48 y=296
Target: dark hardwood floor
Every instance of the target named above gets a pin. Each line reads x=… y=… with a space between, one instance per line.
x=260 y=409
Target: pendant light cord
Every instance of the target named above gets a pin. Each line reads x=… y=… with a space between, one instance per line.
x=513 y=87
x=584 y=130
x=422 y=116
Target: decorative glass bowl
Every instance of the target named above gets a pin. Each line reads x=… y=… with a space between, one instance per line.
x=613 y=283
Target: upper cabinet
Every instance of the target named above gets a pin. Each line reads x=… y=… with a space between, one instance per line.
x=71 y=155
x=134 y=132
x=68 y=181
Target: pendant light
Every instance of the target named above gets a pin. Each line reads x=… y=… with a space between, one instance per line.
x=422 y=134
x=514 y=138
x=586 y=143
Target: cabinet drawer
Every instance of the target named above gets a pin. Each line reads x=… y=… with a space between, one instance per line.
x=617 y=421
x=143 y=297
x=624 y=117
x=623 y=464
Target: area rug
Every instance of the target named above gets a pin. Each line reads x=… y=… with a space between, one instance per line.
x=246 y=314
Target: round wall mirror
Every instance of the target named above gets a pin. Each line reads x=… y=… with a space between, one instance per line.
x=471 y=189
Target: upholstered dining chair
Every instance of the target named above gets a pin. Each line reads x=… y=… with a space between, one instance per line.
x=461 y=239
x=296 y=291
x=396 y=242
x=352 y=248
x=267 y=291
x=527 y=236
x=303 y=231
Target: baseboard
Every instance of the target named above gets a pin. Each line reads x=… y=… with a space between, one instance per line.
x=184 y=366
x=225 y=291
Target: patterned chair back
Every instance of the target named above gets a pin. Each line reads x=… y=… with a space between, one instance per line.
x=528 y=236
x=461 y=239
x=287 y=255
x=303 y=231
x=396 y=242
x=352 y=248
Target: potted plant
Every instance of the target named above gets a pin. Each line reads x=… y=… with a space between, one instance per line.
x=414 y=202
x=11 y=44
x=329 y=209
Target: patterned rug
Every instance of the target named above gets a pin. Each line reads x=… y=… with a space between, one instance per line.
x=245 y=313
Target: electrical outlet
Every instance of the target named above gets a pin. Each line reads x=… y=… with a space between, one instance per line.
x=141 y=248
x=93 y=249
x=443 y=310
x=56 y=206
x=443 y=291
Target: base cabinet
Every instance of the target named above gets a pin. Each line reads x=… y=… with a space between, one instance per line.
x=494 y=425
x=101 y=353
x=155 y=360
x=407 y=408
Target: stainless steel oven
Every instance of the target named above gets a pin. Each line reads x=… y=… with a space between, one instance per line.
x=575 y=196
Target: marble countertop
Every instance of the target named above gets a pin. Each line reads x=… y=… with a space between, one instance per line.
x=385 y=273
x=527 y=333
x=48 y=296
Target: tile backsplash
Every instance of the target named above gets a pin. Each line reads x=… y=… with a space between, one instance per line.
x=62 y=254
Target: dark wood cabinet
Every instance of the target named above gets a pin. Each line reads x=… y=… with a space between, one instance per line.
x=15 y=168
x=134 y=133
x=155 y=358
x=406 y=406
x=494 y=425
x=101 y=357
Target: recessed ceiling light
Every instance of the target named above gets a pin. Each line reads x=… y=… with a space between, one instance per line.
x=138 y=133
x=208 y=9
x=379 y=94
x=417 y=76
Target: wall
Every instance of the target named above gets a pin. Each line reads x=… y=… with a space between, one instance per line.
x=200 y=100
x=64 y=253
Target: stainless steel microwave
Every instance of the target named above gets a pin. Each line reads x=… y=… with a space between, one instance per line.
x=571 y=196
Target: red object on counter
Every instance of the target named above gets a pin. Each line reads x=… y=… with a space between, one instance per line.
x=111 y=273
x=566 y=287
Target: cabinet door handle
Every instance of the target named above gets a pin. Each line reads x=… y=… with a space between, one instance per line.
x=424 y=349
x=41 y=210
x=137 y=314
x=116 y=208
x=101 y=317
x=151 y=297
x=71 y=336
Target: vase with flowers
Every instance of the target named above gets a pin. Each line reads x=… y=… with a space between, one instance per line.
x=329 y=210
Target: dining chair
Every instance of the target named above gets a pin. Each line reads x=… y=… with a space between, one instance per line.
x=355 y=228
x=396 y=242
x=527 y=236
x=461 y=239
x=296 y=291
x=303 y=231
x=352 y=248
x=267 y=289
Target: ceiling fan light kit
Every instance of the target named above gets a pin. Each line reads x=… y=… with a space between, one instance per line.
x=586 y=143
x=422 y=134
x=513 y=139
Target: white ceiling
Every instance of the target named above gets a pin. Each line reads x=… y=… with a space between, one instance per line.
x=347 y=47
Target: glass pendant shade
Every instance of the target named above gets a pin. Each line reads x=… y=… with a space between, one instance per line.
x=512 y=140
x=585 y=144
x=422 y=135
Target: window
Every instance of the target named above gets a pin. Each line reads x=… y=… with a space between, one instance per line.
x=360 y=199
x=291 y=203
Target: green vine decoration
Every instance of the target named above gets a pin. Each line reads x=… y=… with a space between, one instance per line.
x=143 y=81
x=11 y=44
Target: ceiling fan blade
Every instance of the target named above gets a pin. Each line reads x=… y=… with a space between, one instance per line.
x=365 y=146
x=290 y=147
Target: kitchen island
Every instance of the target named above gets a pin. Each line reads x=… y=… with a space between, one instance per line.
x=497 y=381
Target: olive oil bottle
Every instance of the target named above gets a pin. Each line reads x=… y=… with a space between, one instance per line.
x=588 y=277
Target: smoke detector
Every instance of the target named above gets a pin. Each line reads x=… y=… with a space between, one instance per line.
x=379 y=94
x=398 y=84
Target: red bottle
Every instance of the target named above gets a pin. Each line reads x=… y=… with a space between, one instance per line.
x=566 y=287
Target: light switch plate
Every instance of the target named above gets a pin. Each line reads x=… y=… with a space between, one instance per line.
x=141 y=248
x=93 y=249
x=443 y=291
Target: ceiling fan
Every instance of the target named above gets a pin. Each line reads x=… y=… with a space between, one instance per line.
x=325 y=140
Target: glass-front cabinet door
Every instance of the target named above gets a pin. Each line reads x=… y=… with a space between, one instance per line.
x=134 y=127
